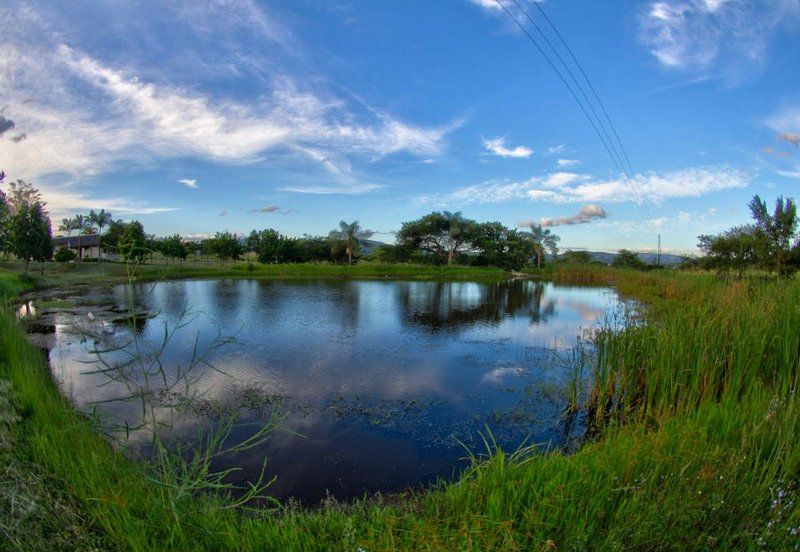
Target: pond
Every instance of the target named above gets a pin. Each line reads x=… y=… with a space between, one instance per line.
x=376 y=385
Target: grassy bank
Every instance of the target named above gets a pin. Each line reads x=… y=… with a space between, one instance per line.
x=697 y=448
x=93 y=273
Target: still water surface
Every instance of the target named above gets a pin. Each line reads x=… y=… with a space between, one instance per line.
x=379 y=385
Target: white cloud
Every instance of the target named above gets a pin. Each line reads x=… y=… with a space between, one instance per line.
x=188 y=182
x=562 y=187
x=490 y=5
x=567 y=162
x=497 y=146
x=90 y=114
x=696 y=34
x=790 y=174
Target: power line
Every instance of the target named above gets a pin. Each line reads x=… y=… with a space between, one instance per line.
x=563 y=81
x=596 y=96
x=574 y=80
x=631 y=179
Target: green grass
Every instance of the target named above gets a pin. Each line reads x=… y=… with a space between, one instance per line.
x=109 y=272
x=697 y=448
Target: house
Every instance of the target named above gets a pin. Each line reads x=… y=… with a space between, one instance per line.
x=86 y=247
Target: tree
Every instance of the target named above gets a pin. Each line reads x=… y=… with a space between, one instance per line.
x=31 y=234
x=64 y=255
x=577 y=257
x=778 y=229
x=543 y=240
x=628 y=259
x=79 y=223
x=67 y=226
x=736 y=249
x=226 y=246
x=132 y=244
x=349 y=233
x=173 y=247
x=502 y=247
x=100 y=220
x=110 y=240
x=443 y=234
x=268 y=245
x=5 y=222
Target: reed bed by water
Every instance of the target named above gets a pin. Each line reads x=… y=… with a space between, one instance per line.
x=696 y=446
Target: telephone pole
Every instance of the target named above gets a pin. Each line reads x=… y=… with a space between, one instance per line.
x=658 y=257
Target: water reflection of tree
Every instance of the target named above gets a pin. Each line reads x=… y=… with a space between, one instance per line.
x=451 y=306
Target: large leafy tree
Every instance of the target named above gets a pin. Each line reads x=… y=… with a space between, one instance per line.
x=502 y=247
x=778 y=229
x=443 y=234
x=350 y=234
x=30 y=230
x=735 y=249
x=544 y=240
x=5 y=224
x=132 y=243
x=226 y=246
x=173 y=247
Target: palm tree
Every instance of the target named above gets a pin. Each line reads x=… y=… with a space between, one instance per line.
x=67 y=226
x=79 y=223
x=543 y=239
x=101 y=219
x=350 y=233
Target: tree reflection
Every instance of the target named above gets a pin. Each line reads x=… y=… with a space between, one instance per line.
x=450 y=306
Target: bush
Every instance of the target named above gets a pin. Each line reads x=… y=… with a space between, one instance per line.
x=65 y=255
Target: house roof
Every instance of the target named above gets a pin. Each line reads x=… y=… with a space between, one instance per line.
x=74 y=241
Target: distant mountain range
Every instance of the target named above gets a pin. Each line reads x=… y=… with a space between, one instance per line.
x=649 y=258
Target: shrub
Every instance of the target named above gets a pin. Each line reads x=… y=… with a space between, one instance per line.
x=65 y=255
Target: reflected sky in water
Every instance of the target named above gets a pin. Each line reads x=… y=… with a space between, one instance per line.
x=381 y=383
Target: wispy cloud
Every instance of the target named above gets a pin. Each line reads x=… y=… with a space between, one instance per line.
x=731 y=34
x=93 y=111
x=354 y=189
x=786 y=122
x=567 y=162
x=497 y=146
x=790 y=173
x=564 y=187
x=188 y=182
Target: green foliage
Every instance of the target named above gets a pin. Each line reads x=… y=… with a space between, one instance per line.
x=31 y=235
x=777 y=230
x=628 y=259
x=543 y=240
x=226 y=246
x=348 y=235
x=576 y=257
x=768 y=243
x=173 y=247
x=736 y=249
x=502 y=247
x=132 y=244
x=64 y=255
x=5 y=223
x=442 y=234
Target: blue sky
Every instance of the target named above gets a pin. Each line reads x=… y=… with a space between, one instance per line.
x=203 y=116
